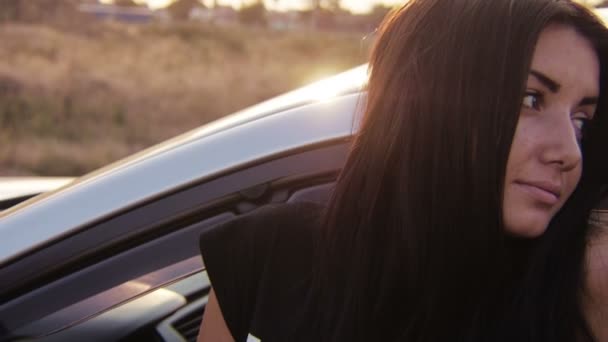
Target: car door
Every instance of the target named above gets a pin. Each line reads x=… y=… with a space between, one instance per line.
x=138 y=273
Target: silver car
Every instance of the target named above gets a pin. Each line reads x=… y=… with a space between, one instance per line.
x=114 y=255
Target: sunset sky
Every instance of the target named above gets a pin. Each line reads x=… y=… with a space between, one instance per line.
x=357 y=6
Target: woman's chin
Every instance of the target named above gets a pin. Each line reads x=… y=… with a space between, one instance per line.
x=526 y=226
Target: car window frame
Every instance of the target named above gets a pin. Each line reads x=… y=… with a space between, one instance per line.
x=241 y=190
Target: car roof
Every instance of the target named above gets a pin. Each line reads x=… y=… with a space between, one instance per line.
x=321 y=112
x=603 y=13
x=15 y=187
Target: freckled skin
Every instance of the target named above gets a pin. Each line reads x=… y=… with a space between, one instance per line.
x=545 y=146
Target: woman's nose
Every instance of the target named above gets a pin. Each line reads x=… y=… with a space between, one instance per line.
x=562 y=145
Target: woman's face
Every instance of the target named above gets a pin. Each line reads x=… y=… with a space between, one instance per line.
x=544 y=164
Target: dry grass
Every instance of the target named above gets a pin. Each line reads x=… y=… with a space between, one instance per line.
x=73 y=100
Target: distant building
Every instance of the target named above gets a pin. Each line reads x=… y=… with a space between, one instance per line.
x=119 y=13
x=220 y=15
x=184 y=9
x=41 y=11
x=201 y=14
x=285 y=21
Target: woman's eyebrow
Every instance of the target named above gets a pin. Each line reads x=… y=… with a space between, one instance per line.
x=589 y=101
x=554 y=87
x=546 y=81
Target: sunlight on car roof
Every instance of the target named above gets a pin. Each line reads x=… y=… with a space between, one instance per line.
x=603 y=14
x=324 y=89
x=330 y=87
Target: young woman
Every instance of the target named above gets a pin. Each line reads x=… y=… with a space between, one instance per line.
x=479 y=116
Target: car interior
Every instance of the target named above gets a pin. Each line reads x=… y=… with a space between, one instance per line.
x=10 y=202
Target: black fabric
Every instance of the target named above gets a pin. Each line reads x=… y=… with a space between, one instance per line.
x=260 y=269
x=603 y=205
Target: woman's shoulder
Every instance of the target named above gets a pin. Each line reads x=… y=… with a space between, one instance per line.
x=273 y=225
x=258 y=264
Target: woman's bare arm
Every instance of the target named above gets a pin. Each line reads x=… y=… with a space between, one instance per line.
x=213 y=327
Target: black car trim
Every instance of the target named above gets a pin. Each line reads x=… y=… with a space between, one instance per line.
x=22 y=275
x=7 y=203
x=332 y=143
x=184 y=323
x=133 y=315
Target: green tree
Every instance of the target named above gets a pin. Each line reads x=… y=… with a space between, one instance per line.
x=330 y=5
x=254 y=14
x=378 y=13
x=10 y=9
x=333 y=5
x=180 y=9
x=38 y=11
x=126 y=3
x=323 y=13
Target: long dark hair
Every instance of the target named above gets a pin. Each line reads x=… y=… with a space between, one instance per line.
x=548 y=303
x=412 y=246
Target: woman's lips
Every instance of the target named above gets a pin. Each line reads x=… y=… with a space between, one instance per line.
x=544 y=192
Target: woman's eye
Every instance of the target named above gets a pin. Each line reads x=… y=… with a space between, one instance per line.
x=579 y=123
x=579 y=120
x=531 y=100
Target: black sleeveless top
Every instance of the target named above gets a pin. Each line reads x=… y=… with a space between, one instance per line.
x=260 y=268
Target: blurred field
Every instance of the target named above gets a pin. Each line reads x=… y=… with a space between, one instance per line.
x=71 y=101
